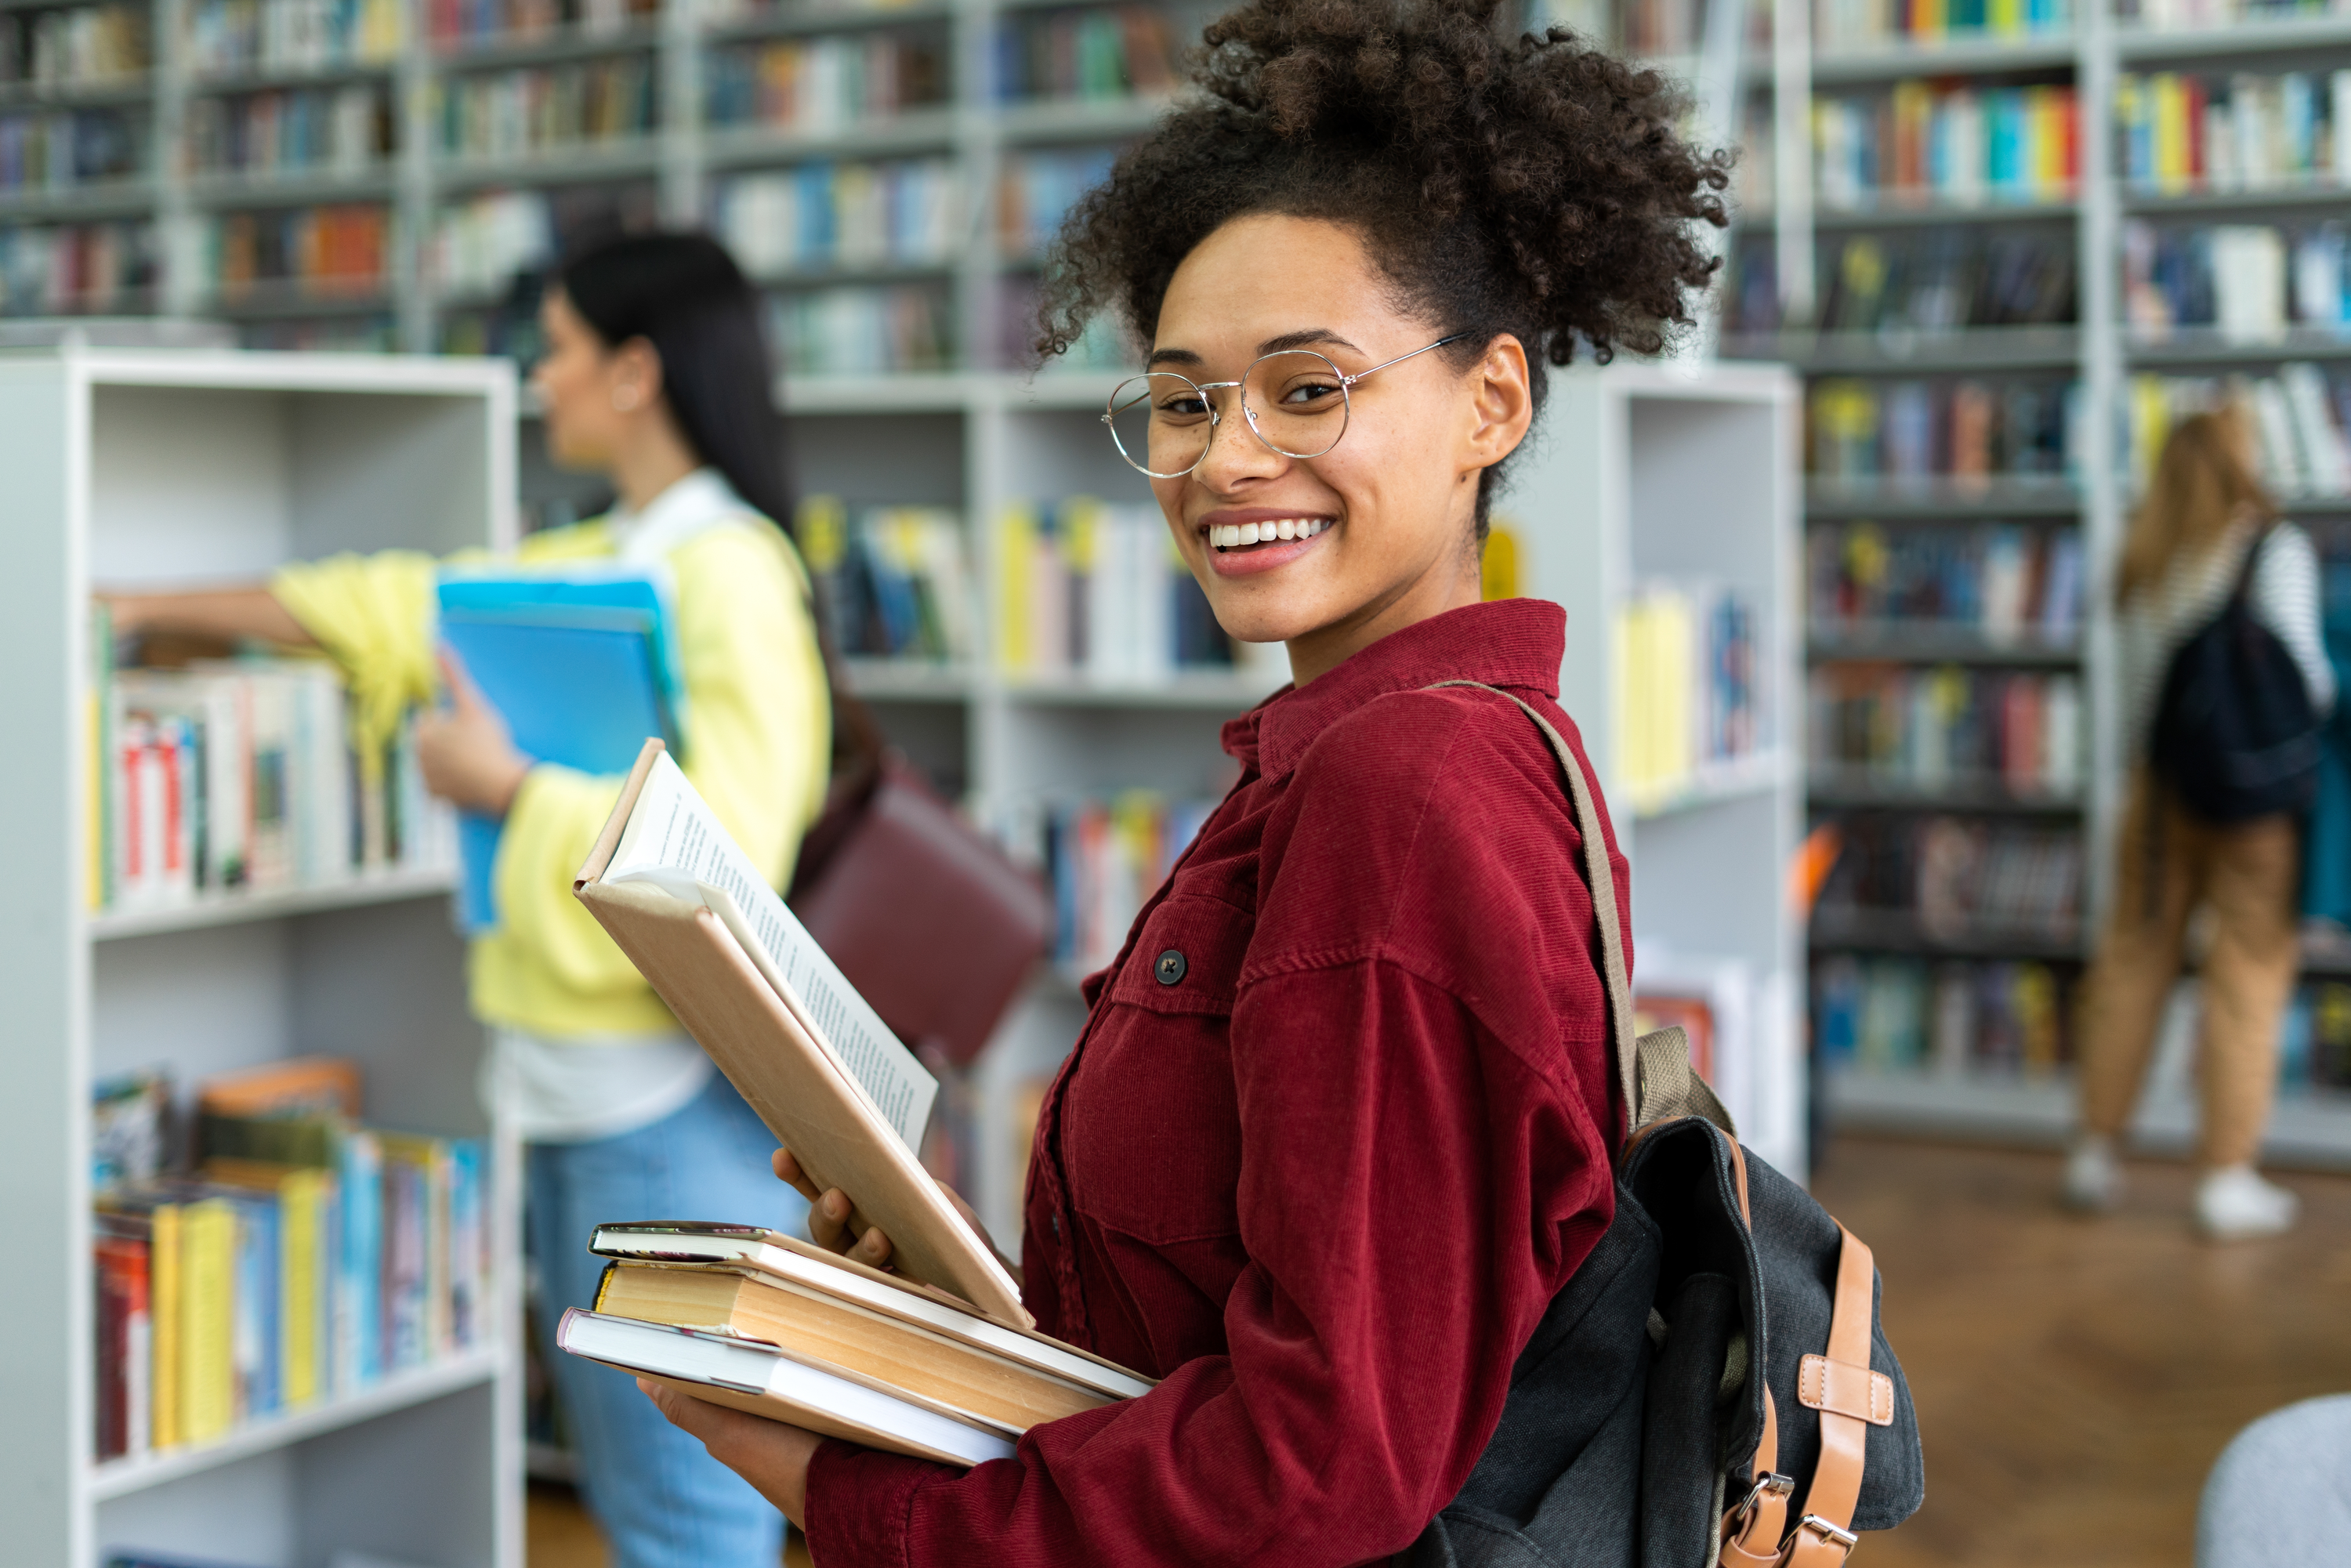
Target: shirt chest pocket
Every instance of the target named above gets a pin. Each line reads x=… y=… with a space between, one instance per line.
x=1150 y=1130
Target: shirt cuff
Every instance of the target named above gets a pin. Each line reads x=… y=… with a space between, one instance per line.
x=861 y=1505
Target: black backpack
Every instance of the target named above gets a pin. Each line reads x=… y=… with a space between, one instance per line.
x=1635 y=1434
x=2236 y=735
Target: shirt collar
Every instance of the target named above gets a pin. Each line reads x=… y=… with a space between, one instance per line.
x=1509 y=643
x=700 y=501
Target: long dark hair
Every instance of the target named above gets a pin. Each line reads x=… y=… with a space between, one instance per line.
x=683 y=294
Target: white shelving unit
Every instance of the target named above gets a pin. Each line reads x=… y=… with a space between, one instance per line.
x=157 y=468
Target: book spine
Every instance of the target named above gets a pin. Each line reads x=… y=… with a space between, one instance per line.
x=298 y=1311
x=165 y=1255
x=208 y=1321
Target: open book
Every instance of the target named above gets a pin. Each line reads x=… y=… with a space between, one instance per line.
x=806 y=1052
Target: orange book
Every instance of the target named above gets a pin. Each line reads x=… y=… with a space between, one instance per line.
x=291 y=1087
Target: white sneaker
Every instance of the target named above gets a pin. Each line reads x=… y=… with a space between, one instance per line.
x=2234 y=1202
x=2093 y=1178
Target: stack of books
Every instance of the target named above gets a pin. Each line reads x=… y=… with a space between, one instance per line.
x=1100 y=590
x=895 y=581
x=811 y=86
x=936 y=1358
x=1687 y=695
x=2005 y=582
x=2302 y=423
x=1105 y=52
x=1947 y=728
x=1954 y=1018
x=1103 y=856
x=1933 y=141
x=2247 y=282
x=827 y=218
x=2181 y=132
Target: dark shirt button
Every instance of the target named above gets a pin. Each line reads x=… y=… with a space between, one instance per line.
x=1056 y=1228
x=1170 y=967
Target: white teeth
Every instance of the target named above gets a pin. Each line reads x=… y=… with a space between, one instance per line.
x=1287 y=529
x=1234 y=536
x=1249 y=533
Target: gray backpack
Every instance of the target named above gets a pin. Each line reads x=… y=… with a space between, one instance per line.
x=1635 y=1430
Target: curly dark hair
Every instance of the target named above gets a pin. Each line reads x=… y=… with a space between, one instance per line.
x=1536 y=187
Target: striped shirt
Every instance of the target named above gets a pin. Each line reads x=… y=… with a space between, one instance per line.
x=2283 y=597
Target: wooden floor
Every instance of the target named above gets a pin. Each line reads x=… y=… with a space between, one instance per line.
x=2075 y=1379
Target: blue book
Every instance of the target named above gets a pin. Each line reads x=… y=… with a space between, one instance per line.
x=580 y=684
x=359 y=1277
x=256 y=1318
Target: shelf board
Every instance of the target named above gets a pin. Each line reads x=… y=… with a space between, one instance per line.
x=1916 y=213
x=263 y=78
x=1857 y=789
x=846 y=275
x=133 y=197
x=1959 y=54
x=619 y=158
x=285 y=300
x=557 y=45
x=1942 y=498
x=291 y=187
x=1915 y=643
x=801 y=21
x=109 y=92
x=1079 y=120
x=1914 y=353
x=1191 y=690
x=907 y=680
x=1712 y=784
x=2191 y=346
x=121 y=1478
x=1898 y=931
x=2282 y=34
x=939 y=392
x=2307 y=1128
x=2301 y=193
x=239 y=908
x=928 y=130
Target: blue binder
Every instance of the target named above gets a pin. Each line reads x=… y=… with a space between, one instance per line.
x=580 y=684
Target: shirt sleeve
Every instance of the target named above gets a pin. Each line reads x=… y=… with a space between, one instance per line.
x=757 y=747
x=373 y=615
x=2285 y=599
x=1414 y=1185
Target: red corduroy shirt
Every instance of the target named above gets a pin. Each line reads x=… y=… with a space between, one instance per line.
x=1339 y=1126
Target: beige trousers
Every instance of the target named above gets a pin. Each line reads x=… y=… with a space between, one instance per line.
x=2248 y=875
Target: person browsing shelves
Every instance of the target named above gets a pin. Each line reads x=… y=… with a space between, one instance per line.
x=655 y=377
x=1340 y=1122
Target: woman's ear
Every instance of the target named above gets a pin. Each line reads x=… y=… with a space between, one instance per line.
x=636 y=375
x=1502 y=404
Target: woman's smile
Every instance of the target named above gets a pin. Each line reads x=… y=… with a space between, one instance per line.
x=1246 y=540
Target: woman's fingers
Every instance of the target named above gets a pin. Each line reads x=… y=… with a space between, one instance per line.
x=771 y=1455
x=787 y=1170
x=835 y=1225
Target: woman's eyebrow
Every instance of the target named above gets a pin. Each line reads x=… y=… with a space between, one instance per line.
x=1311 y=337
x=1173 y=357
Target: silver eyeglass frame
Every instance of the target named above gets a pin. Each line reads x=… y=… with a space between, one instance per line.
x=1249 y=415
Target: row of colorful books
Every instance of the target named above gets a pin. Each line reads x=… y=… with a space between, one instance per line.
x=1944 y=280
x=1959 y=428
x=1945 y=727
x=87 y=45
x=2006 y=582
x=1102 y=857
x=480 y=243
x=1100 y=53
x=1958 y=878
x=1689 y=689
x=241 y=775
x=826 y=83
x=1085 y=586
x=65 y=148
x=345 y=130
x=510 y=113
x=458 y=24
x=337 y=250
x=2251 y=283
x=1037 y=190
x=824 y=217
x=1653 y=29
x=862 y=329
x=2179 y=132
x=1938 y=140
x=895 y=582
x=302 y=1257
x=238 y=37
x=2300 y=418
x=1899 y=1016
x=2203 y=15
x=1874 y=24
x=72 y=268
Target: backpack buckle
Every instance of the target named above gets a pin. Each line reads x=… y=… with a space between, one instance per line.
x=1834 y=1534
x=1770 y=1482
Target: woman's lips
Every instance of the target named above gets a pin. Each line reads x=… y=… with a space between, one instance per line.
x=1245 y=549
x=1229 y=536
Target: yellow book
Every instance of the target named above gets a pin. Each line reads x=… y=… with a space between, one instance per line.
x=207 y=1320
x=1929 y=20
x=2045 y=107
x=2173 y=167
x=2004 y=18
x=163 y=1323
x=301 y=1239
x=1016 y=575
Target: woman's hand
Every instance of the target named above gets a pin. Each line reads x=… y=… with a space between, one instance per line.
x=773 y=1457
x=466 y=750
x=835 y=1225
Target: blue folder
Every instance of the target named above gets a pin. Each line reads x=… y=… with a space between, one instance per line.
x=582 y=685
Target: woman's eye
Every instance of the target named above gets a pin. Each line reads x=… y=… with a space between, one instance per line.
x=1184 y=407
x=1307 y=393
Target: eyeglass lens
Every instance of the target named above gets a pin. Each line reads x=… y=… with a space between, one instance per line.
x=1296 y=402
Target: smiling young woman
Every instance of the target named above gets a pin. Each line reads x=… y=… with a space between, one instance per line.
x=1340 y=1122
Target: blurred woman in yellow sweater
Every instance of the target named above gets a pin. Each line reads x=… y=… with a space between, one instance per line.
x=656 y=376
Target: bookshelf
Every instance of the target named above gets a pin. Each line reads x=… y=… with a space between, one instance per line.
x=1873 y=315
x=136 y=467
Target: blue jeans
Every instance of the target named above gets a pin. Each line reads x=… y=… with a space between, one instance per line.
x=662 y=1500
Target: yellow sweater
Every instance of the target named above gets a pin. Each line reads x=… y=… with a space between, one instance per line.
x=757 y=744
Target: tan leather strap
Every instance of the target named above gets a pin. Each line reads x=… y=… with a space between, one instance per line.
x=1823 y=1537
x=1752 y=1533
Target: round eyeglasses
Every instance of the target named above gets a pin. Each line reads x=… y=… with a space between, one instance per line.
x=1294 y=401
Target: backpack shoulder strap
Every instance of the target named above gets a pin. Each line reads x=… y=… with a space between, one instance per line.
x=1653 y=1080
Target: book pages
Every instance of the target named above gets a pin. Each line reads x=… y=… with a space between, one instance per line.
x=672 y=841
